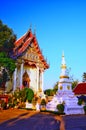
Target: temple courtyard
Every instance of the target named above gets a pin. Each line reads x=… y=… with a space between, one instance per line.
x=19 y=119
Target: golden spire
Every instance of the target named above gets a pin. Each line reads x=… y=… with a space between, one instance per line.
x=63 y=65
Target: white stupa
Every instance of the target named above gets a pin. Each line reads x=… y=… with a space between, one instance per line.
x=65 y=94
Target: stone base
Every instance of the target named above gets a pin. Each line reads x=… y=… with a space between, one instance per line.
x=70 y=101
x=51 y=108
x=74 y=110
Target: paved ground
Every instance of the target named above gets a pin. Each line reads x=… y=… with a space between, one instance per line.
x=28 y=120
x=75 y=122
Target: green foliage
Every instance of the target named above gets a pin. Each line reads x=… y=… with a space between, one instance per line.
x=84 y=108
x=60 y=108
x=84 y=77
x=7 y=39
x=18 y=98
x=55 y=88
x=11 y=105
x=22 y=96
x=80 y=101
x=3 y=105
x=29 y=94
x=49 y=92
x=7 y=63
x=74 y=84
x=25 y=94
x=3 y=78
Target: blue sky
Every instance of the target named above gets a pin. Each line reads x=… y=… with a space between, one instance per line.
x=60 y=26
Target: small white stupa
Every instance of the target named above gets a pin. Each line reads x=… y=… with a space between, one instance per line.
x=65 y=94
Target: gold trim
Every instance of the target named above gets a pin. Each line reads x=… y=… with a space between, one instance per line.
x=64 y=77
x=61 y=87
x=63 y=66
x=68 y=87
x=64 y=82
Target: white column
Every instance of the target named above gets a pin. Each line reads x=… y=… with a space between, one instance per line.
x=37 y=79
x=21 y=74
x=42 y=80
x=14 y=79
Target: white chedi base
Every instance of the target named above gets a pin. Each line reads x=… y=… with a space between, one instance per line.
x=70 y=100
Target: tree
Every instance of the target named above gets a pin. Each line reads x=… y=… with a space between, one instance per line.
x=7 y=63
x=74 y=84
x=55 y=88
x=49 y=92
x=84 y=77
x=7 y=39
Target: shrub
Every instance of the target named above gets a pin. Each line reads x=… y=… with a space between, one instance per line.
x=3 y=105
x=11 y=105
x=29 y=94
x=80 y=102
x=84 y=109
x=49 y=92
x=60 y=108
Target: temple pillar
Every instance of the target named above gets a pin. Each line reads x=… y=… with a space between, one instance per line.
x=42 y=80
x=37 y=88
x=21 y=74
x=14 y=79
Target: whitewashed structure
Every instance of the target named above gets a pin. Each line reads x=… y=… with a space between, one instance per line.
x=65 y=94
x=30 y=64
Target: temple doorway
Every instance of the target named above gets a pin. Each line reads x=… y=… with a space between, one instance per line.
x=26 y=80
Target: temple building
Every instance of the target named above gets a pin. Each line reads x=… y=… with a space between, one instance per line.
x=30 y=63
x=80 y=89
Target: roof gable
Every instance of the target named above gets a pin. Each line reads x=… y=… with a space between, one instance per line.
x=26 y=42
x=80 y=88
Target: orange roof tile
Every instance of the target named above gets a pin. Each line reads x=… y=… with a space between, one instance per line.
x=22 y=44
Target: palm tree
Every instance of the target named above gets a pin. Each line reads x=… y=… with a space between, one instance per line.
x=84 y=77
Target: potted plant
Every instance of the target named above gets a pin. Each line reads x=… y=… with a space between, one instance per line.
x=43 y=105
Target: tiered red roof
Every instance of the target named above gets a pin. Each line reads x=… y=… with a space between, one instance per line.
x=24 y=42
x=80 y=89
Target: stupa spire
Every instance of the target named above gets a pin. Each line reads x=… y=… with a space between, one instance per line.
x=64 y=73
x=63 y=65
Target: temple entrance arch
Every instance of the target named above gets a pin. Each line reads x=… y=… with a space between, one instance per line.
x=26 y=80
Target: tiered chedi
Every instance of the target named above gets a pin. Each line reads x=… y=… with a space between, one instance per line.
x=65 y=94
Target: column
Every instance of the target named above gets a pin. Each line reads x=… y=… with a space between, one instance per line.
x=14 y=79
x=42 y=80
x=37 y=79
x=21 y=74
